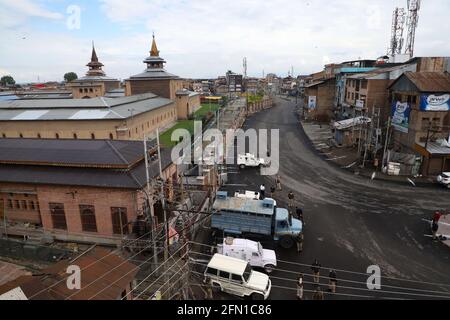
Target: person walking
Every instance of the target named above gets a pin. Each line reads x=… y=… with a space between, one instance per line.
x=434 y=229
x=278 y=181
x=315 y=267
x=332 y=277
x=299 y=241
x=291 y=199
x=262 y=192
x=272 y=191
x=318 y=294
x=300 y=287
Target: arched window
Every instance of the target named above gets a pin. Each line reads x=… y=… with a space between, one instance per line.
x=88 y=220
x=58 y=216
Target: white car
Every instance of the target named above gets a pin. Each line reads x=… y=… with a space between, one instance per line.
x=250 y=160
x=250 y=251
x=236 y=277
x=444 y=179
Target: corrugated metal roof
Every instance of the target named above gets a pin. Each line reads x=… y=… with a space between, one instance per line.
x=314 y=84
x=430 y=81
x=158 y=73
x=93 y=164
x=80 y=109
x=86 y=153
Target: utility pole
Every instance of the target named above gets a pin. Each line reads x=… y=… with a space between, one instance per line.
x=152 y=215
x=164 y=206
x=163 y=200
x=386 y=143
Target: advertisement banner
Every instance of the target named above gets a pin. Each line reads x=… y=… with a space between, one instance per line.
x=435 y=102
x=359 y=104
x=312 y=102
x=400 y=116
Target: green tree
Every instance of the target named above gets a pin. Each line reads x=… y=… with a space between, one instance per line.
x=70 y=76
x=5 y=80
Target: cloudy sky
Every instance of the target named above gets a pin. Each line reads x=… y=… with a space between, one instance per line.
x=204 y=38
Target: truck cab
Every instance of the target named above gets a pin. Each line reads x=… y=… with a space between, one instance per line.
x=250 y=251
x=286 y=228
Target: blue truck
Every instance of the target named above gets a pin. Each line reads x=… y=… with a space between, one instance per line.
x=254 y=218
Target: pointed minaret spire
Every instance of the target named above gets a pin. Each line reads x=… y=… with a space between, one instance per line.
x=95 y=67
x=154 y=52
x=94 y=57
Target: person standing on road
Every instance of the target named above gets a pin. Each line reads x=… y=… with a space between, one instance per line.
x=300 y=242
x=272 y=191
x=299 y=213
x=332 y=277
x=434 y=229
x=315 y=267
x=262 y=190
x=300 y=287
x=291 y=199
x=437 y=216
x=318 y=294
x=278 y=183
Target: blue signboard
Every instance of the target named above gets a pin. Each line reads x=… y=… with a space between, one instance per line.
x=435 y=102
x=400 y=116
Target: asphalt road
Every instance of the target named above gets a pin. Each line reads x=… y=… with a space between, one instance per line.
x=351 y=222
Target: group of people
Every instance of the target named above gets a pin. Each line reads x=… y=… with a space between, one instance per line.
x=291 y=198
x=318 y=293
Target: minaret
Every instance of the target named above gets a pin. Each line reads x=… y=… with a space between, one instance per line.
x=154 y=61
x=95 y=67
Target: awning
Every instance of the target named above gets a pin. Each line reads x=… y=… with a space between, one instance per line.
x=438 y=148
x=350 y=123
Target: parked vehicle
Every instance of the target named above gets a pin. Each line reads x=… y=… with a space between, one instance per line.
x=250 y=251
x=444 y=179
x=250 y=160
x=247 y=194
x=250 y=218
x=236 y=277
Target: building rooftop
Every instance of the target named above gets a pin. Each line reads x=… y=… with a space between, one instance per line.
x=71 y=153
x=104 y=277
x=80 y=109
x=95 y=163
x=436 y=82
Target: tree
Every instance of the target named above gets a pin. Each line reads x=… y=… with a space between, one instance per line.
x=7 y=80
x=70 y=76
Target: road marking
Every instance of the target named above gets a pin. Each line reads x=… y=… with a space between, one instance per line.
x=336 y=158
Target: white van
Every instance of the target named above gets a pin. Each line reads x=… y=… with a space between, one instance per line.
x=236 y=277
x=250 y=251
x=250 y=160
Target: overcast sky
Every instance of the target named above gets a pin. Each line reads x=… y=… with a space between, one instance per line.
x=204 y=38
